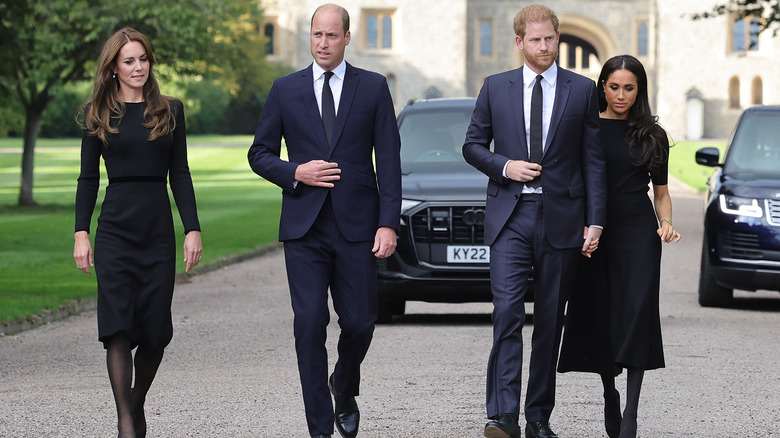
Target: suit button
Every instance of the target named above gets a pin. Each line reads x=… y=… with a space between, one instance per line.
x=517 y=196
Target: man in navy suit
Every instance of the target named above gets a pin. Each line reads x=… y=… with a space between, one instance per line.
x=543 y=208
x=338 y=213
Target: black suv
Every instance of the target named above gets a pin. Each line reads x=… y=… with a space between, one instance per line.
x=741 y=244
x=440 y=256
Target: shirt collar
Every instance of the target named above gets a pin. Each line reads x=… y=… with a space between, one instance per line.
x=339 y=71
x=550 y=75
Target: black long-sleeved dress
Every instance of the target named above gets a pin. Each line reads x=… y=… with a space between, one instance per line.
x=613 y=320
x=135 y=246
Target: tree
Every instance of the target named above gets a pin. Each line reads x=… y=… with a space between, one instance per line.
x=768 y=12
x=46 y=44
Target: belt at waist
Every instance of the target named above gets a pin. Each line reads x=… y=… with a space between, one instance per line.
x=159 y=179
x=530 y=197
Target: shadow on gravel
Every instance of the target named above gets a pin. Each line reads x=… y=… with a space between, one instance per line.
x=761 y=304
x=447 y=319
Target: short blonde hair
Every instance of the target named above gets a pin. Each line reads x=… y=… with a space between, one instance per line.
x=535 y=14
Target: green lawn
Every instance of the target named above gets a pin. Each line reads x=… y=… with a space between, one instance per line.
x=239 y=213
x=682 y=163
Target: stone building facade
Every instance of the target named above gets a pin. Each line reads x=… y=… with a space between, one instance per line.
x=702 y=73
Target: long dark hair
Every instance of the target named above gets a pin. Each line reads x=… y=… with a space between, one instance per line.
x=647 y=140
x=106 y=102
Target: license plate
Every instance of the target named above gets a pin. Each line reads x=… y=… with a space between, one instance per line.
x=468 y=254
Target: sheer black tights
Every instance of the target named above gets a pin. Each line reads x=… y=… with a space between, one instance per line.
x=633 y=388
x=130 y=401
x=626 y=426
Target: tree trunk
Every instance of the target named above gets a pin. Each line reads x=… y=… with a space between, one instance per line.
x=32 y=122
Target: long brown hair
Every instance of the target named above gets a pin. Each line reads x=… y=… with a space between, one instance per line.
x=646 y=138
x=106 y=102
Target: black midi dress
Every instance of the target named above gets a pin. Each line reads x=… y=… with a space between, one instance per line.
x=613 y=319
x=135 y=246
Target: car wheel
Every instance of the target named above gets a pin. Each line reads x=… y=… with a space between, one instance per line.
x=711 y=294
x=387 y=309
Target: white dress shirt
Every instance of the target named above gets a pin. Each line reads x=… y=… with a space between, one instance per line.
x=336 y=83
x=549 y=79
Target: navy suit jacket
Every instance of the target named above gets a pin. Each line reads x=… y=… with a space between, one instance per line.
x=365 y=127
x=573 y=170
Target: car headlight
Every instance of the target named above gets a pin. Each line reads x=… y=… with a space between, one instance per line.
x=740 y=206
x=408 y=204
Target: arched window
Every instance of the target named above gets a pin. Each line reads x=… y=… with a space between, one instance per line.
x=432 y=93
x=757 y=91
x=268 y=31
x=734 y=92
x=641 y=39
x=372 y=31
x=387 y=31
x=485 y=37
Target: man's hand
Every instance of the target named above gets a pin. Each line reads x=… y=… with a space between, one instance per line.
x=523 y=171
x=318 y=173
x=591 y=236
x=384 y=242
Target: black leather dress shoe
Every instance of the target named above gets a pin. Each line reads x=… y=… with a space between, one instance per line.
x=539 y=429
x=505 y=426
x=347 y=412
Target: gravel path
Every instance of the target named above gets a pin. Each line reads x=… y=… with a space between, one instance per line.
x=230 y=370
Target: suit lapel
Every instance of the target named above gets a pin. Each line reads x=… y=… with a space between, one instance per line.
x=348 y=91
x=516 y=90
x=310 y=104
x=562 y=90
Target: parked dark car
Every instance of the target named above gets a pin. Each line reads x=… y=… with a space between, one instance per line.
x=440 y=256
x=741 y=244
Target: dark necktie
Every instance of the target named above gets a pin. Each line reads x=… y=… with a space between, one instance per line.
x=536 y=127
x=328 y=107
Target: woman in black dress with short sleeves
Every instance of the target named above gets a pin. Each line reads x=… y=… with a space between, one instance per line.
x=141 y=137
x=613 y=320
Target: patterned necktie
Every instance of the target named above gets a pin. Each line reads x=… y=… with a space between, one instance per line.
x=536 y=128
x=328 y=107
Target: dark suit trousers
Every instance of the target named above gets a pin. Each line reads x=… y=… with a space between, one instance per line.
x=324 y=259
x=520 y=245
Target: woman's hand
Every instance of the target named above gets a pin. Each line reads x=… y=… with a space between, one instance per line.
x=668 y=233
x=82 y=252
x=192 y=249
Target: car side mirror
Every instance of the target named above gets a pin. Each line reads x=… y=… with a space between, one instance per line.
x=708 y=156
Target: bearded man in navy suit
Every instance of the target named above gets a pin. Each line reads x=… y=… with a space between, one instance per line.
x=545 y=205
x=339 y=214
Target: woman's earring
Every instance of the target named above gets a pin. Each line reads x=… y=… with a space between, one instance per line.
x=114 y=75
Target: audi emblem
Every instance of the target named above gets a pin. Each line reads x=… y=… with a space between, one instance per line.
x=474 y=216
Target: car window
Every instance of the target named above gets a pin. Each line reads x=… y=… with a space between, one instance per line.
x=756 y=145
x=438 y=136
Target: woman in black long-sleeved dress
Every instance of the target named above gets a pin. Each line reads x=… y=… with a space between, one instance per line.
x=141 y=137
x=613 y=319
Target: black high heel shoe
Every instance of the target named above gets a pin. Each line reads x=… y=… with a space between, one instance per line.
x=612 y=417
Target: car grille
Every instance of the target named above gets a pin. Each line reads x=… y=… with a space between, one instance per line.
x=773 y=212
x=450 y=225
x=740 y=245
